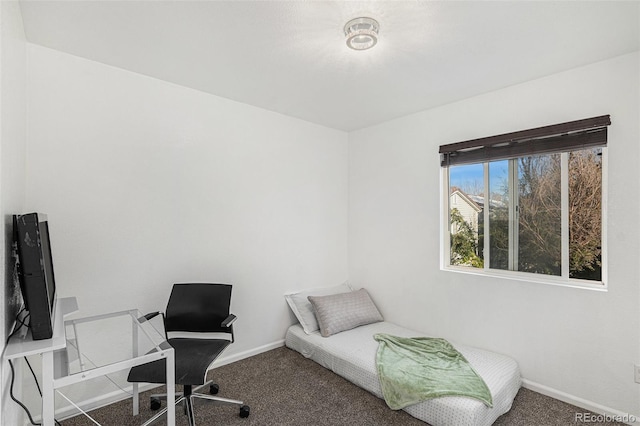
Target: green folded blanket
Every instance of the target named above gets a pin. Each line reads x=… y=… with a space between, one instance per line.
x=419 y=368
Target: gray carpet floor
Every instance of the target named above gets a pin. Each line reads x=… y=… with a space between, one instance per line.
x=284 y=388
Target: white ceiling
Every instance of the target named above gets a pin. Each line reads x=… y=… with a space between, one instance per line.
x=290 y=56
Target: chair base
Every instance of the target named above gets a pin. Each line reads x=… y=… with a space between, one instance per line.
x=187 y=398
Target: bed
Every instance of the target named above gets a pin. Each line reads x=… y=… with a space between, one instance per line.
x=352 y=355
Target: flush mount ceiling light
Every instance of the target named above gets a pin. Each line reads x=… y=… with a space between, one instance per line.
x=361 y=33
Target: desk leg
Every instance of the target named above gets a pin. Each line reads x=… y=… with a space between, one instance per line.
x=48 y=396
x=171 y=388
x=134 y=346
x=136 y=400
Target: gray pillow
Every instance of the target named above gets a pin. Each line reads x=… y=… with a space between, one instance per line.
x=302 y=308
x=340 y=312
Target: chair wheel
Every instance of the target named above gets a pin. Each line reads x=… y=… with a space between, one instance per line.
x=155 y=404
x=244 y=411
x=214 y=389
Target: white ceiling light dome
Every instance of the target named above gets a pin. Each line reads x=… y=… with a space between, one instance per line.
x=361 y=33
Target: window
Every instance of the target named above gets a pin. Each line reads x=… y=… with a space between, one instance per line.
x=528 y=202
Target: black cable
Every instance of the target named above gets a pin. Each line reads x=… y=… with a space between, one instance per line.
x=13 y=376
x=35 y=379
x=16 y=329
x=34 y=376
x=22 y=323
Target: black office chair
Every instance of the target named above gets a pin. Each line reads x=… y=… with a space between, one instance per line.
x=192 y=308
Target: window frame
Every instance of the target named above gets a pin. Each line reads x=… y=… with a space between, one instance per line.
x=562 y=280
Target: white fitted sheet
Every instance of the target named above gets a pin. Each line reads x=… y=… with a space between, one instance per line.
x=352 y=355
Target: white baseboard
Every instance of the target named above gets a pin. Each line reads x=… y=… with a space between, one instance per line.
x=246 y=354
x=608 y=414
x=116 y=396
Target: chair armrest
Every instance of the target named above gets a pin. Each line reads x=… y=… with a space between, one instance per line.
x=228 y=321
x=149 y=315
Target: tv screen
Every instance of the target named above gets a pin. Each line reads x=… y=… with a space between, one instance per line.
x=35 y=272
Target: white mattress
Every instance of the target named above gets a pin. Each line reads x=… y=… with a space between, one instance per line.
x=351 y=354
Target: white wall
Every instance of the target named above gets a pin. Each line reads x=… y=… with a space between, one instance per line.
x=580 y=344
x=12 y=177
x=147 y=183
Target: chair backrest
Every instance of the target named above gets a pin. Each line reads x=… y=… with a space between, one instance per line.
x=198 y=307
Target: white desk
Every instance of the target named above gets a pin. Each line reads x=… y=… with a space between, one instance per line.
x=57 y=352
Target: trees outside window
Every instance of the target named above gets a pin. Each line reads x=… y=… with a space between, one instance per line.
x=464 y=242
x=538 y=214
x=585 y=214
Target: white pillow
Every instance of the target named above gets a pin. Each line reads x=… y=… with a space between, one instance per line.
x=340 y=312
x=301 y=306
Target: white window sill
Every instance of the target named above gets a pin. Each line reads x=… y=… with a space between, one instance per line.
x=529 y=277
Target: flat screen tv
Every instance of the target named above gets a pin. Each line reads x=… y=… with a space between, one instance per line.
x=35 y=272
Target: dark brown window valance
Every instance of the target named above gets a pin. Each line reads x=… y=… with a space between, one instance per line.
x=570 y=136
